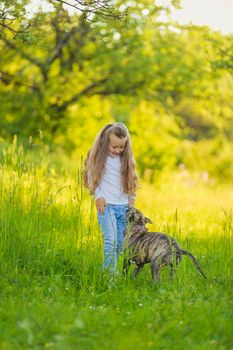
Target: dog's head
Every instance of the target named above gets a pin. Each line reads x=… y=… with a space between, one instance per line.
x=135 y=216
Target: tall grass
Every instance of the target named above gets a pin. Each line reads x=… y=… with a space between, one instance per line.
x=53 y=292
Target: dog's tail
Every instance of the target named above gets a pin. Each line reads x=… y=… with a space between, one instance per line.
x=185 y=252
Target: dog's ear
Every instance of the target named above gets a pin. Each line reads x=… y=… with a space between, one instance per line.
x=148 y=221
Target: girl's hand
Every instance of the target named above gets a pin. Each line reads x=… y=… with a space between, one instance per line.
x=100 y=204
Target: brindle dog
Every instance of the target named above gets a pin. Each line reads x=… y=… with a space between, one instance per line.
x=142 y=247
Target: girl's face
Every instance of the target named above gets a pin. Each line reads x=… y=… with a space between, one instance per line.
x=116 y=145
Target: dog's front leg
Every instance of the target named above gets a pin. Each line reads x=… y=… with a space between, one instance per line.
x=126 y=265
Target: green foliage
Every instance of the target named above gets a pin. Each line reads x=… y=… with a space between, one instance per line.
x=154 y=139
x=65 y=77
x=53 y=293
x=196 y=156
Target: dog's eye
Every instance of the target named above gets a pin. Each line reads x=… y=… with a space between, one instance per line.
x=131 y=217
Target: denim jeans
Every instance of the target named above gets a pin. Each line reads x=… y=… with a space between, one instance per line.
x=113 y=224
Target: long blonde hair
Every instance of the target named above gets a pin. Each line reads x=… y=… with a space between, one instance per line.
x=95 y=161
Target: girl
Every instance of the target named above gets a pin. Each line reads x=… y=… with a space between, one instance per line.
x=109 y=174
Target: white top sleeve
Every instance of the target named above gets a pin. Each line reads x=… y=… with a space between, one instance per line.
x=98 y=193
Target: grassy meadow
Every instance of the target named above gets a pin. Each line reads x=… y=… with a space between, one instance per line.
x=53 y=293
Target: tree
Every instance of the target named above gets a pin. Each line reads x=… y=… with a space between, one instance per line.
x=69 y=58
x=88 y=8
x=68 y=62
x=14 y=11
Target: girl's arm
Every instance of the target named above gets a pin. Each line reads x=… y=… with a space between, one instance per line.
x=100 y=201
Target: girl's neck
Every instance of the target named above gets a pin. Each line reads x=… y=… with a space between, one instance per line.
x=114 y=157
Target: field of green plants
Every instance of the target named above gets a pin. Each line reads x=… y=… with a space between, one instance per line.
x=65 y=72
x=53 y=293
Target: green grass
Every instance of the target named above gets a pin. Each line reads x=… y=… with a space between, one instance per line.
x=53 y=293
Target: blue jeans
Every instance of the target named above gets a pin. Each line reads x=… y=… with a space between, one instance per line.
x=113 y=224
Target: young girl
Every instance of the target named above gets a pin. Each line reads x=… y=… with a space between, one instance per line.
x=110 y=175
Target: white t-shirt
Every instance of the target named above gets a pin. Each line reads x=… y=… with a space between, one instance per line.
x=110 y=185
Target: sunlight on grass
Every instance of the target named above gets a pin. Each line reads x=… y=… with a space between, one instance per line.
x=51 y=254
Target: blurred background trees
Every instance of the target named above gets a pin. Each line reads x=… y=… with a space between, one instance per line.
x=65 y=73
